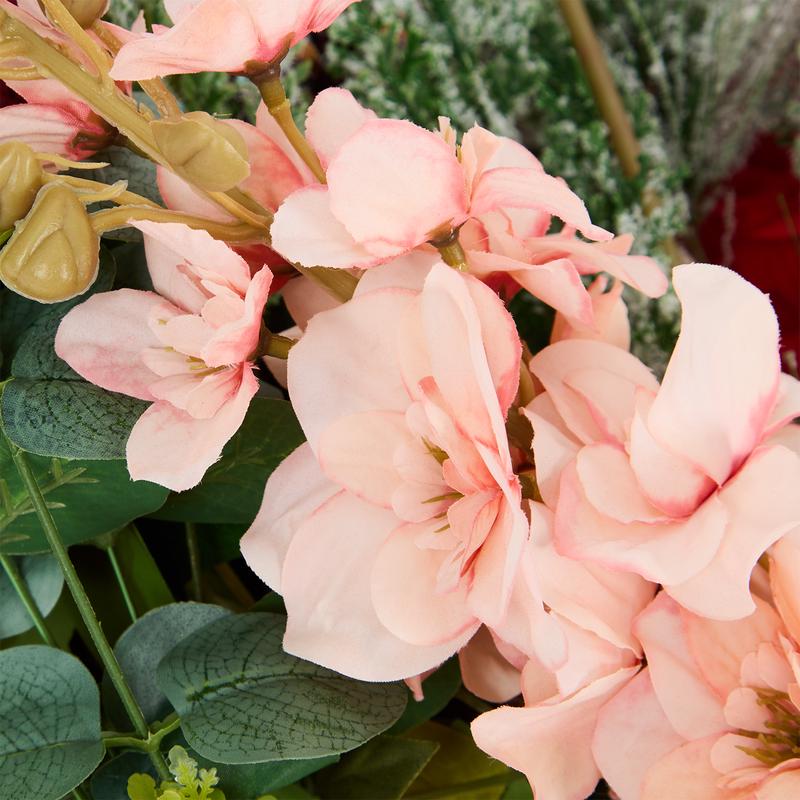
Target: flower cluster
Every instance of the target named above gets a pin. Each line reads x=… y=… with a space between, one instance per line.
x=620 y=552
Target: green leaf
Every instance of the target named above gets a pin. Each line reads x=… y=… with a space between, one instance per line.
x=86 y=498
x=439 y=688
x=50 y=721
x=146 y=642
x=44 y=579
x=242 y=699
x=381 y=770
x=232 y=489
x=68 y=418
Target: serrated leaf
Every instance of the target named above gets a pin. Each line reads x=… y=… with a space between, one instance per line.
x=50 y=737
x=44 y=579
x=232 y=489
x=382 y=769
x=147 y=641
x=242 y=699
x=86 y=498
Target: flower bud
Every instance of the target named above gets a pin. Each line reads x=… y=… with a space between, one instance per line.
x=85 y=12
x=54 y=253
x=20 y=179
x=202 y=150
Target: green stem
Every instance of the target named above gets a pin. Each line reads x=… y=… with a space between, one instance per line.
x=24 y=594
x=194 y=561
x=123 y=586
x=84 y=604
x=504 y=779
x=150 y=744
x=78 y=794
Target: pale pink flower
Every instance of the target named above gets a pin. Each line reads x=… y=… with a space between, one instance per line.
x=682 y=483
x=223 y=35
x=716 y=715
x=397 y=529
x=189 y=349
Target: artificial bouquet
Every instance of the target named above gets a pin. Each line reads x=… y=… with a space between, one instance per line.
x=613 y=561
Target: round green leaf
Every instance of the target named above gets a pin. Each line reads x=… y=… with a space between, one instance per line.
x=147 y=641
x=242 y=699
x=44 y=579
x=50 y=737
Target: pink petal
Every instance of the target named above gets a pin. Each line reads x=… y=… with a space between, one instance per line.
x=266 y=123
x=690 y=704
x=405 y=594
x=686 y=772
x=333 y=117
x=169 y=447
x=593 y=385
x=551 y=742
x=426 y=180
x=304 y=298
x=293 y=493
x=784 y=577
x=216 y=36
x=357 y=452
x=178 y=194
x=783 y=786
x=347 y=362
x=787 y=406
x=326 y=584
x=610 y=317
x=306 y=231
x=103 y=338
x=721 y=383
x=484 y=670
x=663 y=553
x=46 y=129
x=514 y=187
x=404 y=272
x=632 y=734
x=763 y=504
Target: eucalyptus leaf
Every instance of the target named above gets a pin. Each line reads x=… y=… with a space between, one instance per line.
x=44 y=579
x=242 y=699
x=147 y=641
x=50 y=738
x=232 y=489
x=86 y=498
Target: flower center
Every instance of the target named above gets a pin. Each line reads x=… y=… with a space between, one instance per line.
x=781 y=741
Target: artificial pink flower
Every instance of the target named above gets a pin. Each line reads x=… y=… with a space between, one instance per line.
x=716 y=715
x=397 y=529
x=189 y=349
x=223 y=36
x=682 y=483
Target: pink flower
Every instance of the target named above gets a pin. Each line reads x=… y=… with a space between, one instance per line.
x=682 y=483
x=223 y=36
x=397 y=529
x=189 y=349
x=716 y=715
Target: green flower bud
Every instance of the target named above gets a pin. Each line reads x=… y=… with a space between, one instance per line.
x=54 y=253
x=202 y=150
x=20 y=180
x=85 y=12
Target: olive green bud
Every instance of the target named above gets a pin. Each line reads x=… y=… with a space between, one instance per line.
x=202 y=150
x=20 y=179
x=54 y=253
x=85 y=12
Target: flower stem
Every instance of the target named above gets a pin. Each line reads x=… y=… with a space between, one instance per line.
x=451 y=251
x=193 y=547
x=84 y=604
x=25 y=596
x=278 y=105
x=153 y=741
x=123 y=586
x=278 y=346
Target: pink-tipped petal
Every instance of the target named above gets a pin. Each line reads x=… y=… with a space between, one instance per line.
x=326 y=584
x=787 y=406
x=632 y=734
x=763 y=504
x=333 y=117
x=722 y=380
x=169 y=447
x=293 y=492
x=426 y=180
x=485 y=672
x=102 y=339
x=306 y=231
x=46 y=129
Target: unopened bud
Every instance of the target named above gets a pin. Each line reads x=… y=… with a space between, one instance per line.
x=85 y=12
x=20 y=179
x=202 y=150
x=54 y=253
